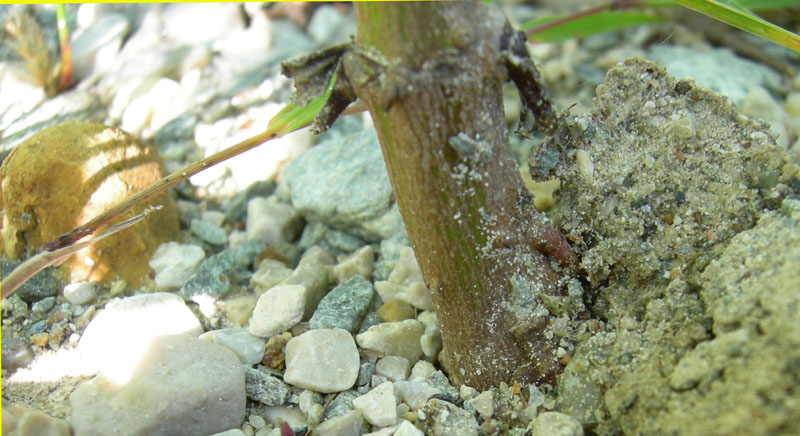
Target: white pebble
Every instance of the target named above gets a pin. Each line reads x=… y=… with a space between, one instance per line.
x=80 y=292
x=232 y=432
x=257 y=422
x=249 y=348
x=323 y=360
x=174 y=263
x=400 y=338
x=213 y=216
x=421 y=370
x=278 y=310
x=394 y=368
x=407 y=429
x=270 y=272
x=358 y=263
x=348 y=424
x=378 y=405
x=484 y=404
x=467 y=392
x=556 y=424
x=271 y=221
x=386 y=431
x=405 y=283
x=415 y=392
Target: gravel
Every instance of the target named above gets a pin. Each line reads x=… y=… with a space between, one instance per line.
x=292 y=243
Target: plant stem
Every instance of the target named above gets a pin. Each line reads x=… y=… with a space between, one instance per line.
x=433 y=87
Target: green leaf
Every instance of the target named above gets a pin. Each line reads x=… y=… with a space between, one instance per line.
x=591 y=24
x=740 y=18
x=755 y=5
x=292 y=117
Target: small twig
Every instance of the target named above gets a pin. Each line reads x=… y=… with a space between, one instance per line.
x=44 y=259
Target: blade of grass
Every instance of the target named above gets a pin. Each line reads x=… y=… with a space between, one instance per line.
x=755 y=5
x=33 y=265
x=599 y=22
x=744 y=20
x=65 y=75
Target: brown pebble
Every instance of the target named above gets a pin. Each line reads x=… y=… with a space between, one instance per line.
x=273 y=355
x=39 y=339
x=56 y=317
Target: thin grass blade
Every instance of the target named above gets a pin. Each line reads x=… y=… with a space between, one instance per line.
x=589 y=25
x=743 y=19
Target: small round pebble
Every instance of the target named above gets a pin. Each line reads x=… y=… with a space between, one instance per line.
x=80 y=292
x=324 y=360
x=16 y=354
x=44 y=305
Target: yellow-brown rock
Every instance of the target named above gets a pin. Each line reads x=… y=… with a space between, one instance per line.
x=66 y=175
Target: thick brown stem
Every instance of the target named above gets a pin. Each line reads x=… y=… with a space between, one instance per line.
x=431 y=77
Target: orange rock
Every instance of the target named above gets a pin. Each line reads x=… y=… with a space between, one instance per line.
x=66 y=175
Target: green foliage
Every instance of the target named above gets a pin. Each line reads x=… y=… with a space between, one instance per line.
x=600 y=22
x=733 y=13
x=293 y=117
x=737 y=13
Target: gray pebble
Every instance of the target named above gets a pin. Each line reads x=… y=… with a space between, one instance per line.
x=264 y=388
x=344 y=306
x=16 y=354
x=214 y=276
x=340 y=405
x=445 y=419
x=37 y=327
x=365 y=373
x=438 y=380
x=209 y=232
x=41 y=285
x=343 y=183
x=15 y=307
x=44 y=305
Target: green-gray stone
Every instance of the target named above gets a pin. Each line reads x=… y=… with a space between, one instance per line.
x=344 y=306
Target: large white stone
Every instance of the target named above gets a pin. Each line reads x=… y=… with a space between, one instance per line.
x=278 y=310
x=124 y=329
x=174 y=263
x=324 y=360
x=400 y=338
x=181 y=386
x=379 y=406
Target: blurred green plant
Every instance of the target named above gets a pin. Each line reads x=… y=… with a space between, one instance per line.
x=65 y=70
x=25 y=36
x=619 y=14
